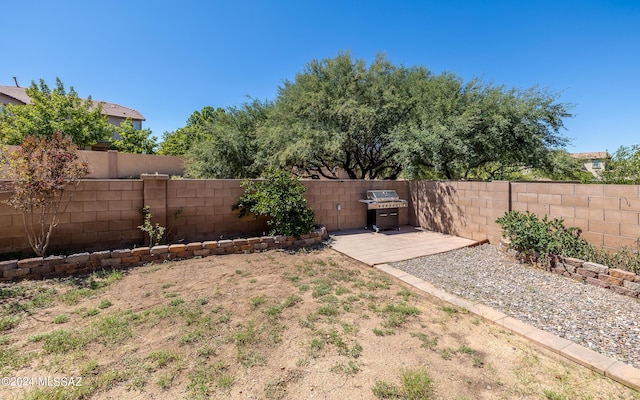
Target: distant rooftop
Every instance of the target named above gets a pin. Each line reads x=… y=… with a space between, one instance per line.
x=590 y=156
x=110 y=109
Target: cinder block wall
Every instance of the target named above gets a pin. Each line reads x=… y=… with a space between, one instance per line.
x=207 y=206
x=207 y=209
x=115 y=165
x=105 y=214
x=324 y=196
x=102 y=214
x=467 y=209
x=607 y=214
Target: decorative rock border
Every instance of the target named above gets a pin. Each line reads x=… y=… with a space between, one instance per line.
x=57 y=266
x=617 y=280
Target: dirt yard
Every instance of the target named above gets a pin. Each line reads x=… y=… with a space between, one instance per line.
x=273 y=325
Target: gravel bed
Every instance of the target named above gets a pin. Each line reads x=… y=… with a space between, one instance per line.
x=594 y=317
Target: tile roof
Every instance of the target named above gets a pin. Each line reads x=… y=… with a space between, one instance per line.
x=593 y=155
x=110 y=109
x=17 y=93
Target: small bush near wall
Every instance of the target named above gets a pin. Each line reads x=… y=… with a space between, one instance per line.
x=542 y=238
x=279 y=197
x=539 y=240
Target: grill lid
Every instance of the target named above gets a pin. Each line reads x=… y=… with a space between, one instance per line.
x=382 y=195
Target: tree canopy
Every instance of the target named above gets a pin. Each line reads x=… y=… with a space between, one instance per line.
x=474 y=130
x=178 y=142
x=132 y=140
x=377 y=121
x=341 y=114
x=623 y=167
x=228 y=147
x=53 y=111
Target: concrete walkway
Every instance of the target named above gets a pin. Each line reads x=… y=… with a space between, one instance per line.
x=388 y=246
x=378 y=249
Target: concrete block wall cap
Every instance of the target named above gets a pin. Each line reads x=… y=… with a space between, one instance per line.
x=161 y=249
x=54 y=260
x=30 y=262
x=210 y=244
x=177 y=248
x=122 y=253
x=139 y=251
x=193 y=246
x=161 y=177
x=77 y=258
x=225 y=243
x=574 y=262
x=595 y=267
x=9 y=264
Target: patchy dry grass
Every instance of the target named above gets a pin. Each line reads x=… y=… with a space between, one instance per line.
x=271 y=325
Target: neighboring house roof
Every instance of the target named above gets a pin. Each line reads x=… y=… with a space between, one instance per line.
x=16 y=93
x=110 y=109
x=596 y=155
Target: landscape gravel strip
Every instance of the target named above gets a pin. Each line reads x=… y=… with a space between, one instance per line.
x=591 y=316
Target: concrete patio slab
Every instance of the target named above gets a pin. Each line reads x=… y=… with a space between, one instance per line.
x=382 y=247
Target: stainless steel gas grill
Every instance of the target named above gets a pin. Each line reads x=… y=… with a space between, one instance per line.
x=382 y=209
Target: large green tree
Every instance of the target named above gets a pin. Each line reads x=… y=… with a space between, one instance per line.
x=339 y=114
x=54 y=110
x=228 y=147
x=477 y=130
x=379 y=121
x=623 y=167
x=178 y=142
x=132 y=140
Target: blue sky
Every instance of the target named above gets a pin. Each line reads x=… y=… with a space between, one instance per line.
x=168 y=59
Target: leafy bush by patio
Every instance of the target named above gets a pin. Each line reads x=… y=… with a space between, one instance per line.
x=279 y=197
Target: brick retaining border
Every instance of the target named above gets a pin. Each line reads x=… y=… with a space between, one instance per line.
x=58 y=266
x=617 y=280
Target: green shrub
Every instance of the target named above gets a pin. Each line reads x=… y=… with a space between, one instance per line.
x=279 y=197
x=537 y=239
